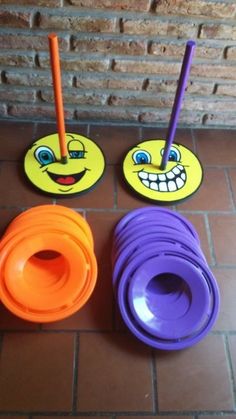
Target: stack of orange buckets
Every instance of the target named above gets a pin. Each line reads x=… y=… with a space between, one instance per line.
x=48 y=269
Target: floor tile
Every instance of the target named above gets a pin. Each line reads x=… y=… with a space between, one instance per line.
x=114 y=374
x=183 y=136
x=9 y=321
x=17 y=190
x=6 y=216
x=189 y=380
x=223 y=231
x=213 y=194
x=102 y=225
x=15 y=138
x=100 y=196
x=44 y=129
x=115 y=141
x=216 y=416
x=97 y=313
x=216 y=147
x=226 y=279
x=36 y=372
x=199 y=224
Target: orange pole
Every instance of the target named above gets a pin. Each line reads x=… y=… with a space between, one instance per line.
x=56 y=77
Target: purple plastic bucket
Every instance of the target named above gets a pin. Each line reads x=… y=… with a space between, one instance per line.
x=165 y=291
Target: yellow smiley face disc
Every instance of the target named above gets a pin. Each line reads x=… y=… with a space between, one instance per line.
x=181 y=178
x=85 y=166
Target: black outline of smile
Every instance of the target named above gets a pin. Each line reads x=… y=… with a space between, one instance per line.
x=76 y=176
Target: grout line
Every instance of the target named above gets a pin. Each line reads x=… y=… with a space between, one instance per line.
x=231 y=193
x=115 y=189
x=230 y=366
x=1 y=342
x=88 y=130
x=210 y=241
x=154 y=383
x=194 y=140
x=75 y=373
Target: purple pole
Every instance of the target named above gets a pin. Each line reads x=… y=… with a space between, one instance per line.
x=188 y=56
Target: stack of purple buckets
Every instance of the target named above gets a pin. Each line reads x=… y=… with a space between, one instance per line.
x=165 y=290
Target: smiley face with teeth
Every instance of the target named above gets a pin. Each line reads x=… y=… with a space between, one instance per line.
x=181 y=178
x=85 y=165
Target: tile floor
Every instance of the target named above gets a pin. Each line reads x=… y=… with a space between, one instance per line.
x=88 y=364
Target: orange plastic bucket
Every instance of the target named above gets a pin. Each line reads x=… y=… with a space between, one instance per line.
x=48 y=269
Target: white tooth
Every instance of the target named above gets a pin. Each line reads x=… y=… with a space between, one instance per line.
x=143 y=175
x=180 y=167
x=183 y=175
x=176 y=170
x=162 y=177
x=179 y=182
x=152 y=176
x=146 y=183
x=172 y=186
x=170 y=175
x=163 y=187
x=154 y=186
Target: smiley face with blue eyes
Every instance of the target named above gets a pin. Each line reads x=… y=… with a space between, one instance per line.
x=85 y=165
x=181 y=178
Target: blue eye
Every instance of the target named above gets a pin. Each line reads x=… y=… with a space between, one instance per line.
x=76 y=154
x=141 y=157
x=44 y=155
x=174 y=154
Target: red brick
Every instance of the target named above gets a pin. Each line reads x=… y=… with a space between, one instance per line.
x=17 y=95
x=162 y=115
x=31 y=42
x=153 y=27
x=218 y=31
x=226 y=89
x=231 y=53
x=213 y=71
x=200 y=8
x=10 y=18
x=87 y=82
x=38 y=111
x=71 y=63
x=8 y=58
x=171 y=49
x=109 y=46
x=76 y=97
x=210 y=104
x=141 y=100
x=132 y=5
x=169 y=86
x=216 y=120
x=77 y=23
x=107 y=113
x=35 y=79
x=151 y=67
x=45 y=3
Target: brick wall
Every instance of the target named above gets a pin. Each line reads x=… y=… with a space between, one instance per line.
x=120 y=59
